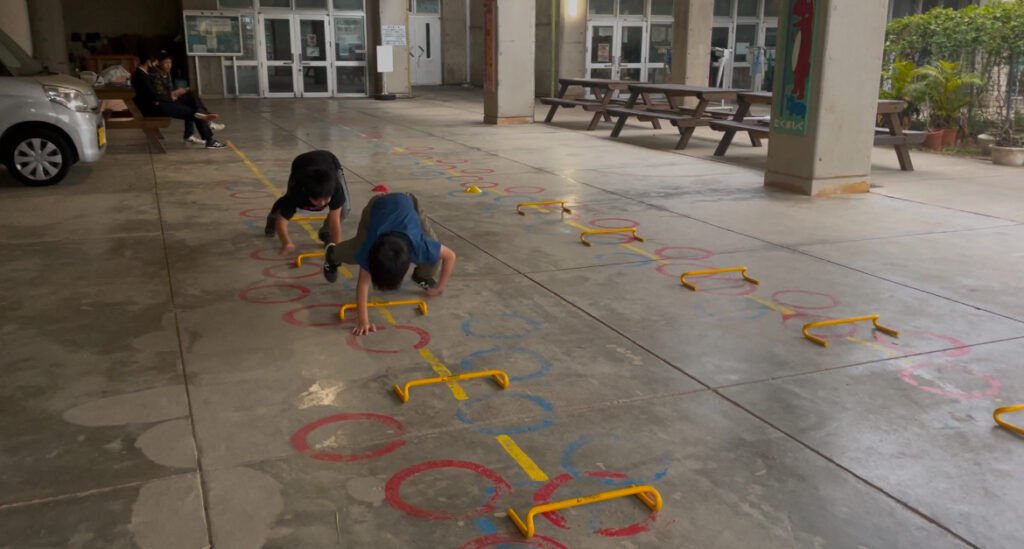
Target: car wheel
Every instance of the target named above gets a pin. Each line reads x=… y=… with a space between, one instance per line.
x=38 y=157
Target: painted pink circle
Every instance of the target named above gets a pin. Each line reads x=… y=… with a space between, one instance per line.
x=851 y=328
x=662 y=268
x=744 y=287
x=778 y=301
x=959 y=347
x=545 y=493
x=908 y=375
x=259 y=194
x=300 y=440
x=476 y=171
x=258 y=255
x=660 y=252
x=466 y=178
x=353 y=340
x=262 y=213
x=289 y=316
x=524 y=189
x=597 y=223
x=269 y=271
x=303 y=294
x=392 y=490
x=508 y=538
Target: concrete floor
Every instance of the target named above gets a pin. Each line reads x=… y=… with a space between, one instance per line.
x=168 y=381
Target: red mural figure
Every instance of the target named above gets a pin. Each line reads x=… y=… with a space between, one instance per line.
x=804 y=9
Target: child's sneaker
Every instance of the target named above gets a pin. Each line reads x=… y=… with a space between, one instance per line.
x=324 y=235
x=330 y=268
x=425 y=283
x=217 y=126
x=214 y=144
x=271 y=228
x=193 y=140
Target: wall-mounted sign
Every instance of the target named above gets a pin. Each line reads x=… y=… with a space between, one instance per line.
x=796 y=40
x=392 y=35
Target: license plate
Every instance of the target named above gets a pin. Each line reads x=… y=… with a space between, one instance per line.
x=102 y=134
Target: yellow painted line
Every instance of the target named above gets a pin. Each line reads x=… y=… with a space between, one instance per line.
x=770 y=305
x=277 y=193
x=521 y=458
x=577 y=225
x=443 y=370
x=643 y=252
x=399 y=149
x=387 y=315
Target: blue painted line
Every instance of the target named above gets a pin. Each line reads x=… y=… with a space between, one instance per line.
x=485 y=526
x=462 y=413
x=545 y=364
x=467 y=327
x=644 y=261
x=575 y=446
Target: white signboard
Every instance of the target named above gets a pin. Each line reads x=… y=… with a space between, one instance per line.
x=392 y=35
x=385 y=59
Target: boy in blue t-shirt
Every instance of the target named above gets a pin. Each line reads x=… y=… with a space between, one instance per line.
x=393 y=233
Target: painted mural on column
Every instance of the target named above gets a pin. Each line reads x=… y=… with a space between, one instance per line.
x=490 y=45
x=796 y=38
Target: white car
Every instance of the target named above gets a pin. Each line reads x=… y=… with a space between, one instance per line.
x=47 y=121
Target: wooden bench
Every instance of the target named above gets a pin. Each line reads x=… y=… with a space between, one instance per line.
x=602 y=89
x=686 y=119
x=908 y=137
x=649 y=114
x=150 y=126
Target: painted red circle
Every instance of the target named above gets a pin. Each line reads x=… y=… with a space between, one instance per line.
x=465 y=178
x=479 y=185
x=301 y=443
x=268 y=272
x=660 y=252
x=544 y=494
x=261 y=215
x=260 y=194
x=258 y=255
x=507 y=538
x=394 y=486
x=289 y=316
x=744 y=287
x=662 y=268
x=851 y=331
x=303 y=293
x=993 y=383
x=459 y=161
x=959 y=347
x=440 y=166
x=597 y=223
x=778 y=301
x=476 y=171
x=529 y=189
x=353 y=340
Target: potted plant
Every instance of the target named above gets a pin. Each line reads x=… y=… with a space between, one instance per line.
x=944 y=84
x=899 y=79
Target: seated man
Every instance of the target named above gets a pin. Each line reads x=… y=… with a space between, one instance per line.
x=161 y=76
x=151 y=103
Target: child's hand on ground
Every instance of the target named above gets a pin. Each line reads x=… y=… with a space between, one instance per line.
x=287 y=248
x=431 y=292
x=364 y=328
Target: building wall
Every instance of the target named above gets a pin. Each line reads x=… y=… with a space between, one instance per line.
x=14 y=21
x=453 y=41
x=114 y=17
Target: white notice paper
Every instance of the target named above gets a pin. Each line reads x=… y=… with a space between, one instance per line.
x=385 y=59
x=392 y=35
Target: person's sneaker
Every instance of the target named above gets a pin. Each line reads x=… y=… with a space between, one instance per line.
x=330 y=268
x=324 y=235
x=214 y=144
x=271 y=227
x=193 y=140
x=207 y=116
x=424 y=283
x=217 y=126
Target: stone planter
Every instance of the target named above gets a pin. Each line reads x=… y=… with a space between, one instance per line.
x=1008 y=156
x=985 y=142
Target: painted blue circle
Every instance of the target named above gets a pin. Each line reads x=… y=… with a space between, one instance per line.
x=753 y=310
x=645 y=261
x=556 y=224
x=545 y=364
x=549 y=419
x=533 y=324
x=256 y=223
x=426 y=173
x=570 y=452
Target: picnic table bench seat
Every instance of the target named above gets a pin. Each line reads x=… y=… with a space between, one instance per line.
x=908 y=137
x=644 y=114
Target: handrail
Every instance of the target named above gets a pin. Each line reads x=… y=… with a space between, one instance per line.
x=641 y=492
x=1006 y=410
x=742 y=270
x=823 y=343
x=501 y=378
x=583 y=235
x=298 y=260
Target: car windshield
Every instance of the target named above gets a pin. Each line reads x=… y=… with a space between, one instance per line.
x=15 y=59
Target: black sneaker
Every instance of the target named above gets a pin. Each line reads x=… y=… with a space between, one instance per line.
x=425 y=283
x=330 y=268
x=324 y=235
x=271 y=227
x=214 y=144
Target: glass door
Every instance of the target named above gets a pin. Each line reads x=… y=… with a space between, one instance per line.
x=629 y=57
x=601 y=49
x=242 y=74
x=278 y=53
x=349 y=55
x=314 y=75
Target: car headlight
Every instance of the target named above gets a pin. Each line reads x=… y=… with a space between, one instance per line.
x=72 y=98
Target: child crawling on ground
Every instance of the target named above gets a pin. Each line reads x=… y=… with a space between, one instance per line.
x=393 y=233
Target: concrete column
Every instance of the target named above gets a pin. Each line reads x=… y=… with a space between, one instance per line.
x=15 y=22
x=509 y=27
x=691 y=42
x=49 y=41
x=834 y=156
x=543 y=60
x=396 y=12
x=453 y=41
x=476 y=42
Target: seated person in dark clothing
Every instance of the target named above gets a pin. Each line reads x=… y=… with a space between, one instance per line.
x=151 y=103
x=161 y=76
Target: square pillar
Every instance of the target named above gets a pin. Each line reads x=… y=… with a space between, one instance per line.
x=395 y=12
x=509 y=34
x=826 y=95
x=691 y=42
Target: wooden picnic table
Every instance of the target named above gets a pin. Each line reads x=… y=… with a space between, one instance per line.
x=684 y=118
x=150 y=126
x=759 y=128
x=602 y=89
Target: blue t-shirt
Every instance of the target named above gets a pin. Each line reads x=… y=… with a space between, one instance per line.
x=395 y=213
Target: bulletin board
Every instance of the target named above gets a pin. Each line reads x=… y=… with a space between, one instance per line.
x=212 y=33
